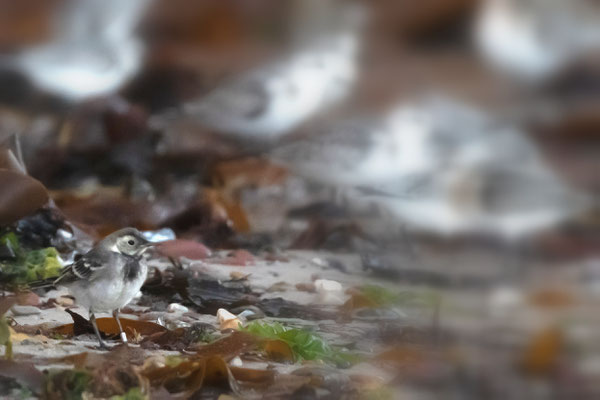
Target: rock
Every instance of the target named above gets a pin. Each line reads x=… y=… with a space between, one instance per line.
x=25 y=310
x=227 y=320
x=330 y=292
x=249 y=313
x=236 y=362
x=238 y=275
x=306 y=287
x=175 y=307
x=28 y=299
x=65 y=301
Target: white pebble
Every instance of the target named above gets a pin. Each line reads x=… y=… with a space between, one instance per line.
x=25 y=310
x=329 y=292
x=175 y=307
x=236 y=362
x=504 y=300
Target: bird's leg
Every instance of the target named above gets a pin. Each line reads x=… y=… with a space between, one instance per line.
x=115 y=314
x=93 y=321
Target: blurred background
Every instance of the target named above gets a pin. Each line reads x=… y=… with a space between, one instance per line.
x=446 y=144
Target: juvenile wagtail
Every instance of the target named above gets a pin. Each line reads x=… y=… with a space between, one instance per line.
x=107 y=277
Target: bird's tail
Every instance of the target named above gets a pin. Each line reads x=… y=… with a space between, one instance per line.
x=43 y=283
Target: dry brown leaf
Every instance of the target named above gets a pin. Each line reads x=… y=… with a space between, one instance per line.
x=20 y=196
x=248 y=172
x=542 y=354
x=256 y=376
x=278 y=350
x=552 y=298
x=228 y=347
x=222 y=205
x=357 y=301
x=108 y=326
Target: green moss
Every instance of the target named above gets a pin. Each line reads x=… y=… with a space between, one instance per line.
x=381 y=393
x=384 y=297
x=132 y=394
x=304 y=344
x=28 y=266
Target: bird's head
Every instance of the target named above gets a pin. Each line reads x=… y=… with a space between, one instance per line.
x=128 y=241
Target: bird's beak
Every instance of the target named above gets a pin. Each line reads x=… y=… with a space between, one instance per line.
x=145 y=246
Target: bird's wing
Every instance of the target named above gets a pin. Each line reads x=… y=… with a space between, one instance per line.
x=86 y=268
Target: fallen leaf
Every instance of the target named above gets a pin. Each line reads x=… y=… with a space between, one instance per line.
x=278 y=350
x=255 y=376
x=6 y=303
x=356 y=302
x=228 y=347
x=108 y=326
x=542 y=354
x=248 y=172
x=21 y=196
x=552 y=298
x=232 y=209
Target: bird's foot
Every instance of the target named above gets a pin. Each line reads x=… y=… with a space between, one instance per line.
x=124 y=338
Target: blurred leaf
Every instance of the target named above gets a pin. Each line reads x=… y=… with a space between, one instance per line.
x=278 y=350
x=21 y=196
x=221 y=204
x=66 y=384
x=542 y=354
x=552 y=298
x=256 y=376
x=24 y=373
x=249 y=172
x=228 y=347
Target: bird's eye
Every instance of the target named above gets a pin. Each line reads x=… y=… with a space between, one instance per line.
x=130 y=242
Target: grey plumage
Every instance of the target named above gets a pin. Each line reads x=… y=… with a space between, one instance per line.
x=108 y=276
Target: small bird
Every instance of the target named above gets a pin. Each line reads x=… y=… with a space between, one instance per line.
x=264 y=104
x=437 y=165
x=93 y=50
x=107 y=277
x=535 y=39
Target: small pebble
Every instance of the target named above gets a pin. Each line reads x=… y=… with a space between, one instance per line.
x=25 y=310
x=236 y=362
x=227 y=320
x=175 y=307
x=330 y=292
x=65 y=301
x=306 y=287
x=238 y=275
